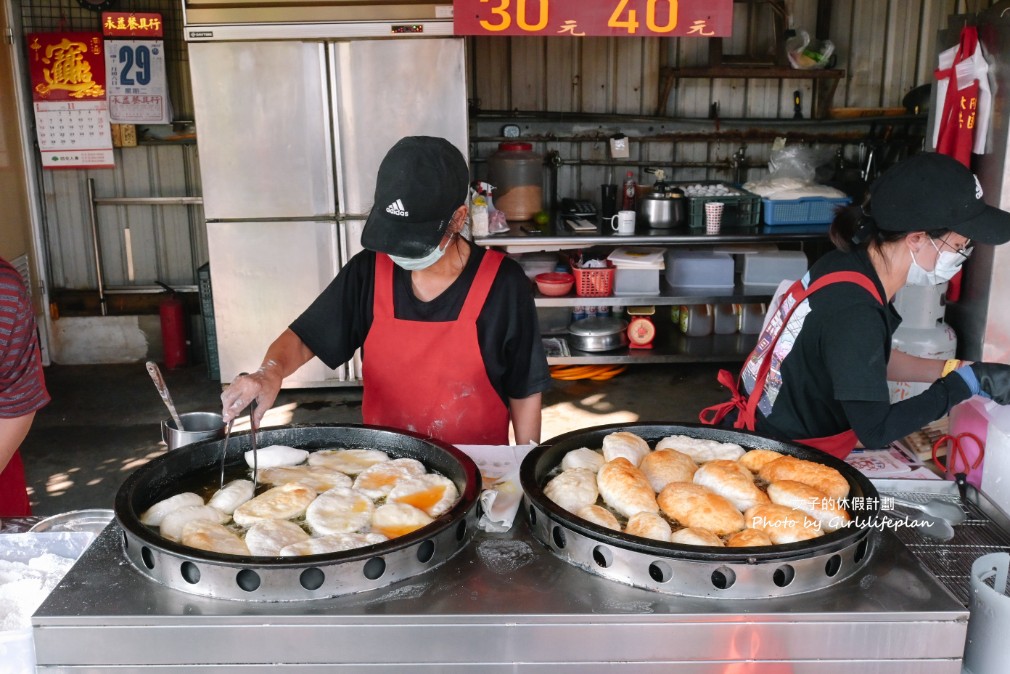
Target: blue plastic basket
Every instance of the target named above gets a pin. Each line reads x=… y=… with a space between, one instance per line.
x=805 y=211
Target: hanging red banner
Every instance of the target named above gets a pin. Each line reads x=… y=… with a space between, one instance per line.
x=599 y=18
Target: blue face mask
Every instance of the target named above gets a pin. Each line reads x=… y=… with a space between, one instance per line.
x=418 y=263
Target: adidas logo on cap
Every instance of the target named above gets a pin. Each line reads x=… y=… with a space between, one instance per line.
x=396 y=208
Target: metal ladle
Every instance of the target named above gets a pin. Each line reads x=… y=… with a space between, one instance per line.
x=159 y=383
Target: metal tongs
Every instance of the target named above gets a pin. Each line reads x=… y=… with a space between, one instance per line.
x=252 y=439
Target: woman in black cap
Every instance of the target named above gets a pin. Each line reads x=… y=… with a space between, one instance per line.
x=450 y=342
x=819 y=372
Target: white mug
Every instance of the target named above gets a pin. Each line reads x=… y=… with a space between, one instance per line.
x=625 y=222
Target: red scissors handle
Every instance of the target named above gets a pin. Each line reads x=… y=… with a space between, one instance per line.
x=955 y=452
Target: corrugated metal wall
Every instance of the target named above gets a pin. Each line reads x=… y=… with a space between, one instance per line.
x=885 y=46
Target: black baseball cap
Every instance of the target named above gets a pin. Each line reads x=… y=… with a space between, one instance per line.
x=931 y=191
x=422 y=180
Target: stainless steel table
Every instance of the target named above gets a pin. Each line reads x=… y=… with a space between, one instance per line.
x=504 y=604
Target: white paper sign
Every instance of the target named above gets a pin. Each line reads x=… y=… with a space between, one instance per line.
x=136 y=82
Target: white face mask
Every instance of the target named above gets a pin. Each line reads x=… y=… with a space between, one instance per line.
x=948 y=263
x=418 y=263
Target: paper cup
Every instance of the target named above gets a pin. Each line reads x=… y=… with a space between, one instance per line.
x=713 y=217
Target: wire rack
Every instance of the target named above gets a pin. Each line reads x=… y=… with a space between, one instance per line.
x=950 y=561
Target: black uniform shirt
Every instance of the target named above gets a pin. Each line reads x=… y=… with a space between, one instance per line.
x=337 y=322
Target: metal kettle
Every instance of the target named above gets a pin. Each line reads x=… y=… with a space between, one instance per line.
x=665 y=206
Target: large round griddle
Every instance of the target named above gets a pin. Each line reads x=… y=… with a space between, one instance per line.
x=731 y=573
x=255 y=578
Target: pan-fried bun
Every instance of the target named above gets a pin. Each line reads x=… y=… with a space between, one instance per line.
x=378 y=480
x=207 y=535
x=349 y=461
x=664 y=466
x=695 y=536
x=625 y=489
x=398 y=519
x=748 y=538
x=153 y=516
x=782 y=524
x=628 y=445
x=434 y=494
x=755 y=459
x=573 y=489
x=280 y=503
x=600 y=516
x=818 y=476
x=649 y=525
x=701 y=450
x=732 y=481
x=340 y=510
x=266 y=538
x=231 y=496
x=319 y=478
x=583 y=457
x=829 y=512
x=175 y=521
x=696 y=507
x=324 y=545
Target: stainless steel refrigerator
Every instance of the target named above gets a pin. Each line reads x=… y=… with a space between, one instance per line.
x=292 y=123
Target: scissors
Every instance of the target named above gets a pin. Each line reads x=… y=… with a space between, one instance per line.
x=956 y=454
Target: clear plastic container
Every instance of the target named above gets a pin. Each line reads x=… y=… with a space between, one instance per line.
x=517 y=174
x=724 y=319
x=696 y=320
x=751 y=317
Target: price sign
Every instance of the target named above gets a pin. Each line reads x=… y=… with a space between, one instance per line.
x=582 y=18
x=138 y=89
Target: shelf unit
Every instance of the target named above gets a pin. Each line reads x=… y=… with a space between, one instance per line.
x=670 y=345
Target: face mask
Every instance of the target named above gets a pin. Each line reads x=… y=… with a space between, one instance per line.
x=948 y=263
x=418 y=263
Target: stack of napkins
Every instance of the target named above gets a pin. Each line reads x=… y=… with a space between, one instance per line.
x=631 y=257
x=501 y=493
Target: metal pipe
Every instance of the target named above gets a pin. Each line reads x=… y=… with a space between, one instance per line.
x=93 y=217
x=147 y=201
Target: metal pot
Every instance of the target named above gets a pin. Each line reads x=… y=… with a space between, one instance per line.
x=598 y=333
x=663 y=209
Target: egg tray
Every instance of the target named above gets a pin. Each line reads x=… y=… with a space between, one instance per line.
x=699 y=571
x=278 y=579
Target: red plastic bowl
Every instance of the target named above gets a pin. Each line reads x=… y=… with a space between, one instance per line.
x=555 y=283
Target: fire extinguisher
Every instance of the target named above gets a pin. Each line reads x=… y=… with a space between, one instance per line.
x=173 y=328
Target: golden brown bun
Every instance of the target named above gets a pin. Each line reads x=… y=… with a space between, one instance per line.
x=628 y=445
x=207 y=535
x=600 y=516
x=782 y=524
x=698 y=508
x=748 y=538
x=829 y=512
x=573 y=489
x=649 y=525
x=732 y=481
x=755 y=459
x=583 y=457
x=285 y=502
x=700 y=449
x=625 y=489
x=665 y=466
x=818 y=476
x=696 y=536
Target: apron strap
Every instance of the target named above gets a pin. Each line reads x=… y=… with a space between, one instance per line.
x=481 y=286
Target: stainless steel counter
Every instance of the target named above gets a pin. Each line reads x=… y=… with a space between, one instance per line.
x=504 y=604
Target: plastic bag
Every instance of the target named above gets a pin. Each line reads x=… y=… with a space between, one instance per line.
x=792 y=172
x=807 y=54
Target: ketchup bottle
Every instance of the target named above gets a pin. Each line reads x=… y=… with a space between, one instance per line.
x=630 y=192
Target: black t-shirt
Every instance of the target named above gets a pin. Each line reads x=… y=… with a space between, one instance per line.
x=840 y=353
x=337 y=322
x=834 y=378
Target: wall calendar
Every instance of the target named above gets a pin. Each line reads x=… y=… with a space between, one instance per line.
x=69 y=97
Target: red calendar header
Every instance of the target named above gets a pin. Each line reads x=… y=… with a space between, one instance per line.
x=132 y=24
x=66 y=66
x=601 y=18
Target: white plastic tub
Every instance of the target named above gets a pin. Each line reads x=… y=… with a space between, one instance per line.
x=766 y=269
x=699 y=269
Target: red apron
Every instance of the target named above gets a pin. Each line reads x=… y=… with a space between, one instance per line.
x=13 y=489
x=430 y=377
x=838 y=445
x=956 y=136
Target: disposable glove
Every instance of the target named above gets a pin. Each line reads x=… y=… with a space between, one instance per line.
x=993 y=380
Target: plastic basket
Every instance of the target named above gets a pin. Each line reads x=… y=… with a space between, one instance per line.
x=594 y=282
x=740 y=210
x=805 y=211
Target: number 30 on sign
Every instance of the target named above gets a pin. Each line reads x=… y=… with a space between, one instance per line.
x=580 y=18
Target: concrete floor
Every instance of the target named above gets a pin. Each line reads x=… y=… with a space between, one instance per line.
x=104 y=420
